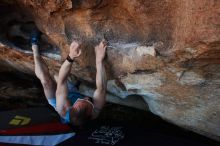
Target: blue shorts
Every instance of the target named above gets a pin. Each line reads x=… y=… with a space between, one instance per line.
x=73 y=95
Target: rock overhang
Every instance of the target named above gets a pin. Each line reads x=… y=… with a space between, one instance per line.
x=167 y=52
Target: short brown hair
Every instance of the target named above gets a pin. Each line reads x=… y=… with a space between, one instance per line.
x=80 y=116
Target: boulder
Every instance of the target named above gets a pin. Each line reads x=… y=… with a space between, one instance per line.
x=164 y=53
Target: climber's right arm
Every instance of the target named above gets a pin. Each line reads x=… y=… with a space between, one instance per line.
x=101 y=79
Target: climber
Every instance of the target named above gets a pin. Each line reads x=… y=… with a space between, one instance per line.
x=72 y=107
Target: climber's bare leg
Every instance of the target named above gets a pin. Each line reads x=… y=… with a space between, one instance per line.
x=42 y=72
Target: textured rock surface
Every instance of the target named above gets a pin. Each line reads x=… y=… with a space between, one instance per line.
x=180 y=84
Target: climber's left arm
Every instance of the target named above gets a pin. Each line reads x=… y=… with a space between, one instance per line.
x=62 y=91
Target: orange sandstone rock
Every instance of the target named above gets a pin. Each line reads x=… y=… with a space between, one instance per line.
x=167 y=52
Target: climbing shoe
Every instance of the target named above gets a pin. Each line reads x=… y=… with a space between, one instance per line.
x=35 y=36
